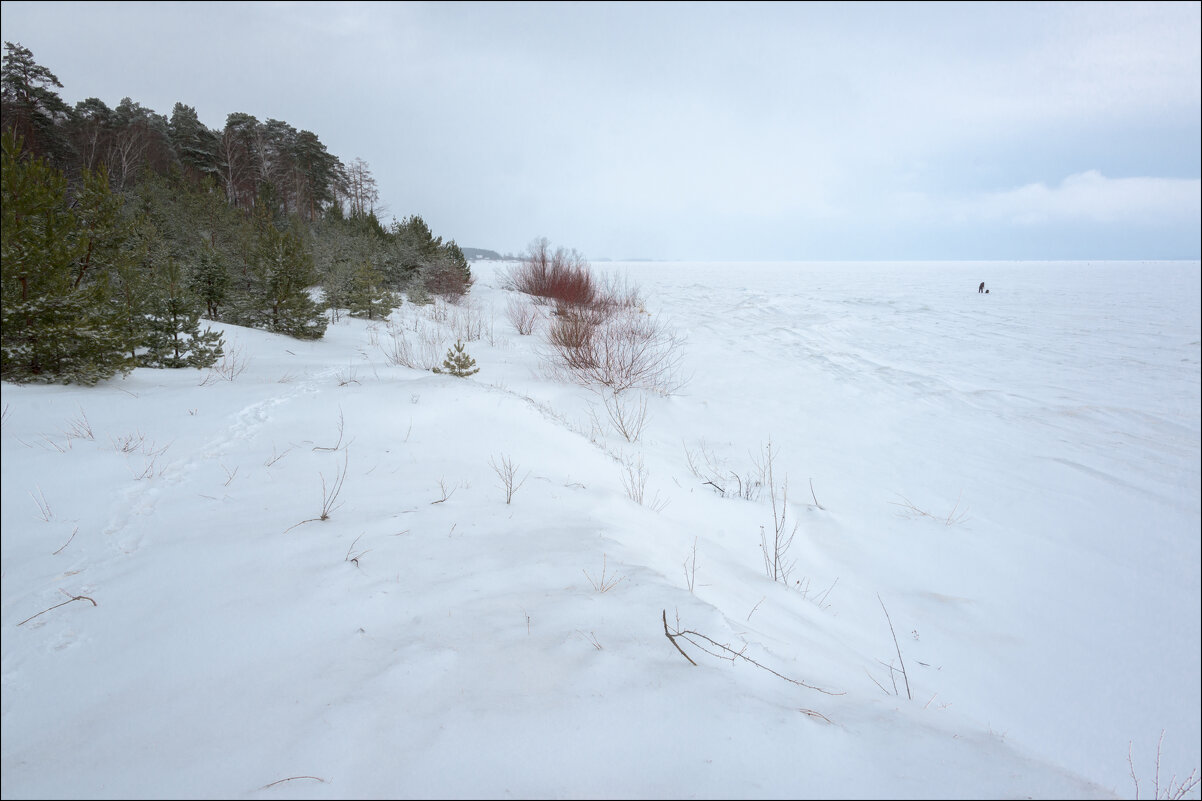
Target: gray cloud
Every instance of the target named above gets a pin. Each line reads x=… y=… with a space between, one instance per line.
x=700 y=131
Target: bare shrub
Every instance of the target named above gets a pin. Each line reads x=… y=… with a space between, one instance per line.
x=1174 y=789
x=571 y=333
x=617 y=291
x=690 y=568
x=150 y=462
x=470 y=324
x=603 y=584
x=706 y=466
x=423 y=350
x=628 y=417
x=634 y=481
x=523 y=315
x=619 y=351
x=776 y=545
x=398 y=350
x=507 y=471
x=438 y=310
x=233 y=363
x=80 y=428
x=329 y=494
x=129 y=442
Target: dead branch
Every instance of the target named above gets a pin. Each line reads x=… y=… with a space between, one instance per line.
x=337 y=446
x=730 y=654
x=292 y=778
x=56 y=606
x=672 y=638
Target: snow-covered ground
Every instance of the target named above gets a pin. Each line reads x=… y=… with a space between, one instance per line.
x=1009 y=481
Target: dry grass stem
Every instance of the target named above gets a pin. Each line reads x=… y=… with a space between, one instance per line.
x=275 y=457
x=44 y=510
x=329 y=495
x=898 y=649
x=352 y=556
x=955 y=516
x=815 y=497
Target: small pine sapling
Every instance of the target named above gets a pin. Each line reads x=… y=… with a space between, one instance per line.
x=458 y=363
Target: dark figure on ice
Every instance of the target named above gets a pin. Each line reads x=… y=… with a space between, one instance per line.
x=981 y=288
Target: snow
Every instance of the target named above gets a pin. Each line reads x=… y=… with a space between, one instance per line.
x=428 y=639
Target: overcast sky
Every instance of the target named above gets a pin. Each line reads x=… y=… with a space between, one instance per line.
x=702 y=131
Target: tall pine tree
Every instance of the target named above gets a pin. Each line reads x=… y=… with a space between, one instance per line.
x=58 y=320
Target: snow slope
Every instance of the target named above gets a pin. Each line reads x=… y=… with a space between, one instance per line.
x=1008 y=483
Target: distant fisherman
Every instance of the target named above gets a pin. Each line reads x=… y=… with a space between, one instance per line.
x=981 y=288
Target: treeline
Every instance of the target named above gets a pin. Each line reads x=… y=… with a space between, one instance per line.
x=123 y=228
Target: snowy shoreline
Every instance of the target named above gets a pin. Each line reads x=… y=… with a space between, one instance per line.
x=1014 y=476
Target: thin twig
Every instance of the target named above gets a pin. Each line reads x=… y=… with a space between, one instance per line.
x=292 y=778
x=672 y=639
x=733 y=655
x=68 y=542
x=815 y=497
x=874 y=681
x=814 y=714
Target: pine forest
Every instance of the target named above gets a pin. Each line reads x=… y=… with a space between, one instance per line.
x=126 y=231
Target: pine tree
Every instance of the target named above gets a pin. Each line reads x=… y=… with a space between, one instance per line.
x=418 y=295
x=32 y=110
x=458 y=363
x=281 y=274
x=366 y=295
x=457 y=260
x=195 y=145
x=173 y=337
x=209 y=280
x=58 y=319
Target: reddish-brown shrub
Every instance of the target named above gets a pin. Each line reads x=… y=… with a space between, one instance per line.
x=562 y=275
